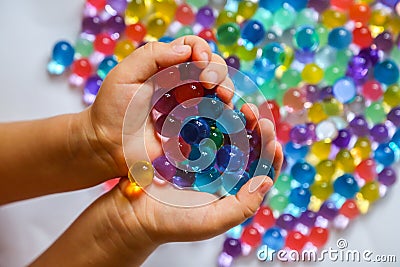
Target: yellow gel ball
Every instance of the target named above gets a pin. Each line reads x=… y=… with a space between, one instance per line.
x=141 y=173
x=246 y=9
x=224 y=17
x=370 y=191
x=333 y=107
x=326 y=169
x=362 y=149
x=362 y=204
x=123 y=49
x=166 y=7
x=393 y=25
x=379 y=17
x=226 y=51
x=289 y=56
x=391 y=96
x=333 y=18
x=315 y=204
x=245 y=54
x=316 y=113
x=312 y=74
x=157 y=25
x=321 y=189
x=345 y=161
x=321 y=149
x=135 y=11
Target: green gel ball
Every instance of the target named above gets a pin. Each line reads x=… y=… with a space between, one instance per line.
x=343 y=57
x=197 y=3
x=279 y=202
x=323 y=34
x=291 y=78
x=375 y=113
x=185 y=30
x=307 y=16
x=265 y=17
x=332 y=73
x=284 y=18
x=228 y=34
x=395 y=55
x=282 y=184
x=83 y=47
x=246 y=54
x=269 y=89
x=224 y=17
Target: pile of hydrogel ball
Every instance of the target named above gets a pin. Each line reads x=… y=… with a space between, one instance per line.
x=329 y=71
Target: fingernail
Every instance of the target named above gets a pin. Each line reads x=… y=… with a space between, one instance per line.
x=211 y=77
x=181 y=49
x=265 y=186
x=204 y=56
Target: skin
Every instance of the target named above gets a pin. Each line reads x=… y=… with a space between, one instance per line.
x=75 y=151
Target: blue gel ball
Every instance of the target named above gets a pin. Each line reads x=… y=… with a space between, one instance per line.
x=272 y=6
x=245 y=82
x=231 y=159
x=340 y=38
x=106 y=66
x=346 y=186
x=264 y=69
x=202 y=158
x=344 y=90
x=295 y=151
x=63 y=53
x=306 y=39
x=262 y=167
x=384 y=154
x=208 y=181
x=298 y=5
x=303 y=172
x=387 y=72
x=231 y=122
x=300 y=197
x=232 y=182
x=166 y=39
x=274 y=53
x=194 y=153
x=253 y=31
x=273 y=238
x=213 y=46
x=195 y=130
x=396 y=138
x=210 y=107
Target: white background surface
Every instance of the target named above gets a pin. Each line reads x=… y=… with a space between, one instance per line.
x=28 y=31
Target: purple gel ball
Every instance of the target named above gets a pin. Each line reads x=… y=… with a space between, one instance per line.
x=205 y=16
x=380 y=133
x=308 y=218
x=372 y=55
x=312 y=93
x=115 y=24
x=164 y=168
x=183 y=178
x=118 y=5
x=233 y=62
x=91 y=89
x=304 y=57
x=328 y=210
x=387 y=176
x=394 y=116
x=319 y=5
x=359 y=126
x=326 y=93
x=343 y=138
x=91 y=25
x=384 y=41
x=286 y=221
x=232 y=247
x=358 y=68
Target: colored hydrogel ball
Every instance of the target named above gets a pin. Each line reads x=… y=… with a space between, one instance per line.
x=340 y=38
x=253 y=31
x=195 y=130
x=387 y=72
x=233 y=247
x=106 y=66
x=262 y=167
x=346 y=186
x=141 y=173
x=306 y=39
x=228 y=34
x=303 y=172
x=163 y=168
x=273 y=238
x=62 y=58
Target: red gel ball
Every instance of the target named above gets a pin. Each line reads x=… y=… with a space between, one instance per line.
x=270 y=110
x=136 y=32
x=164 y=103
x=188 y=91
x=184 y=14
x=349 y=209
x=294 y=99
x=367 y=170
x=283 y=132
x=296 y=240
x=251 y=237
x=342 y=4
x=104 y=44
x=82 y=67
x=176 y=149
x=208 y=35
x=167 y=126
x=168 y=78
x=372 y=90
x=319 y=236
x=98 y=4
x=360 y=12
x=264 y=217
x=362 y=37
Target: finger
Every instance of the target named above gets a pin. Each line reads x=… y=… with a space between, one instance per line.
x=225 y=90
x=201 y=51
x=234 y=210
x=214 y=73
x=148 y=59
x=251 y=114
x=278 y=159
